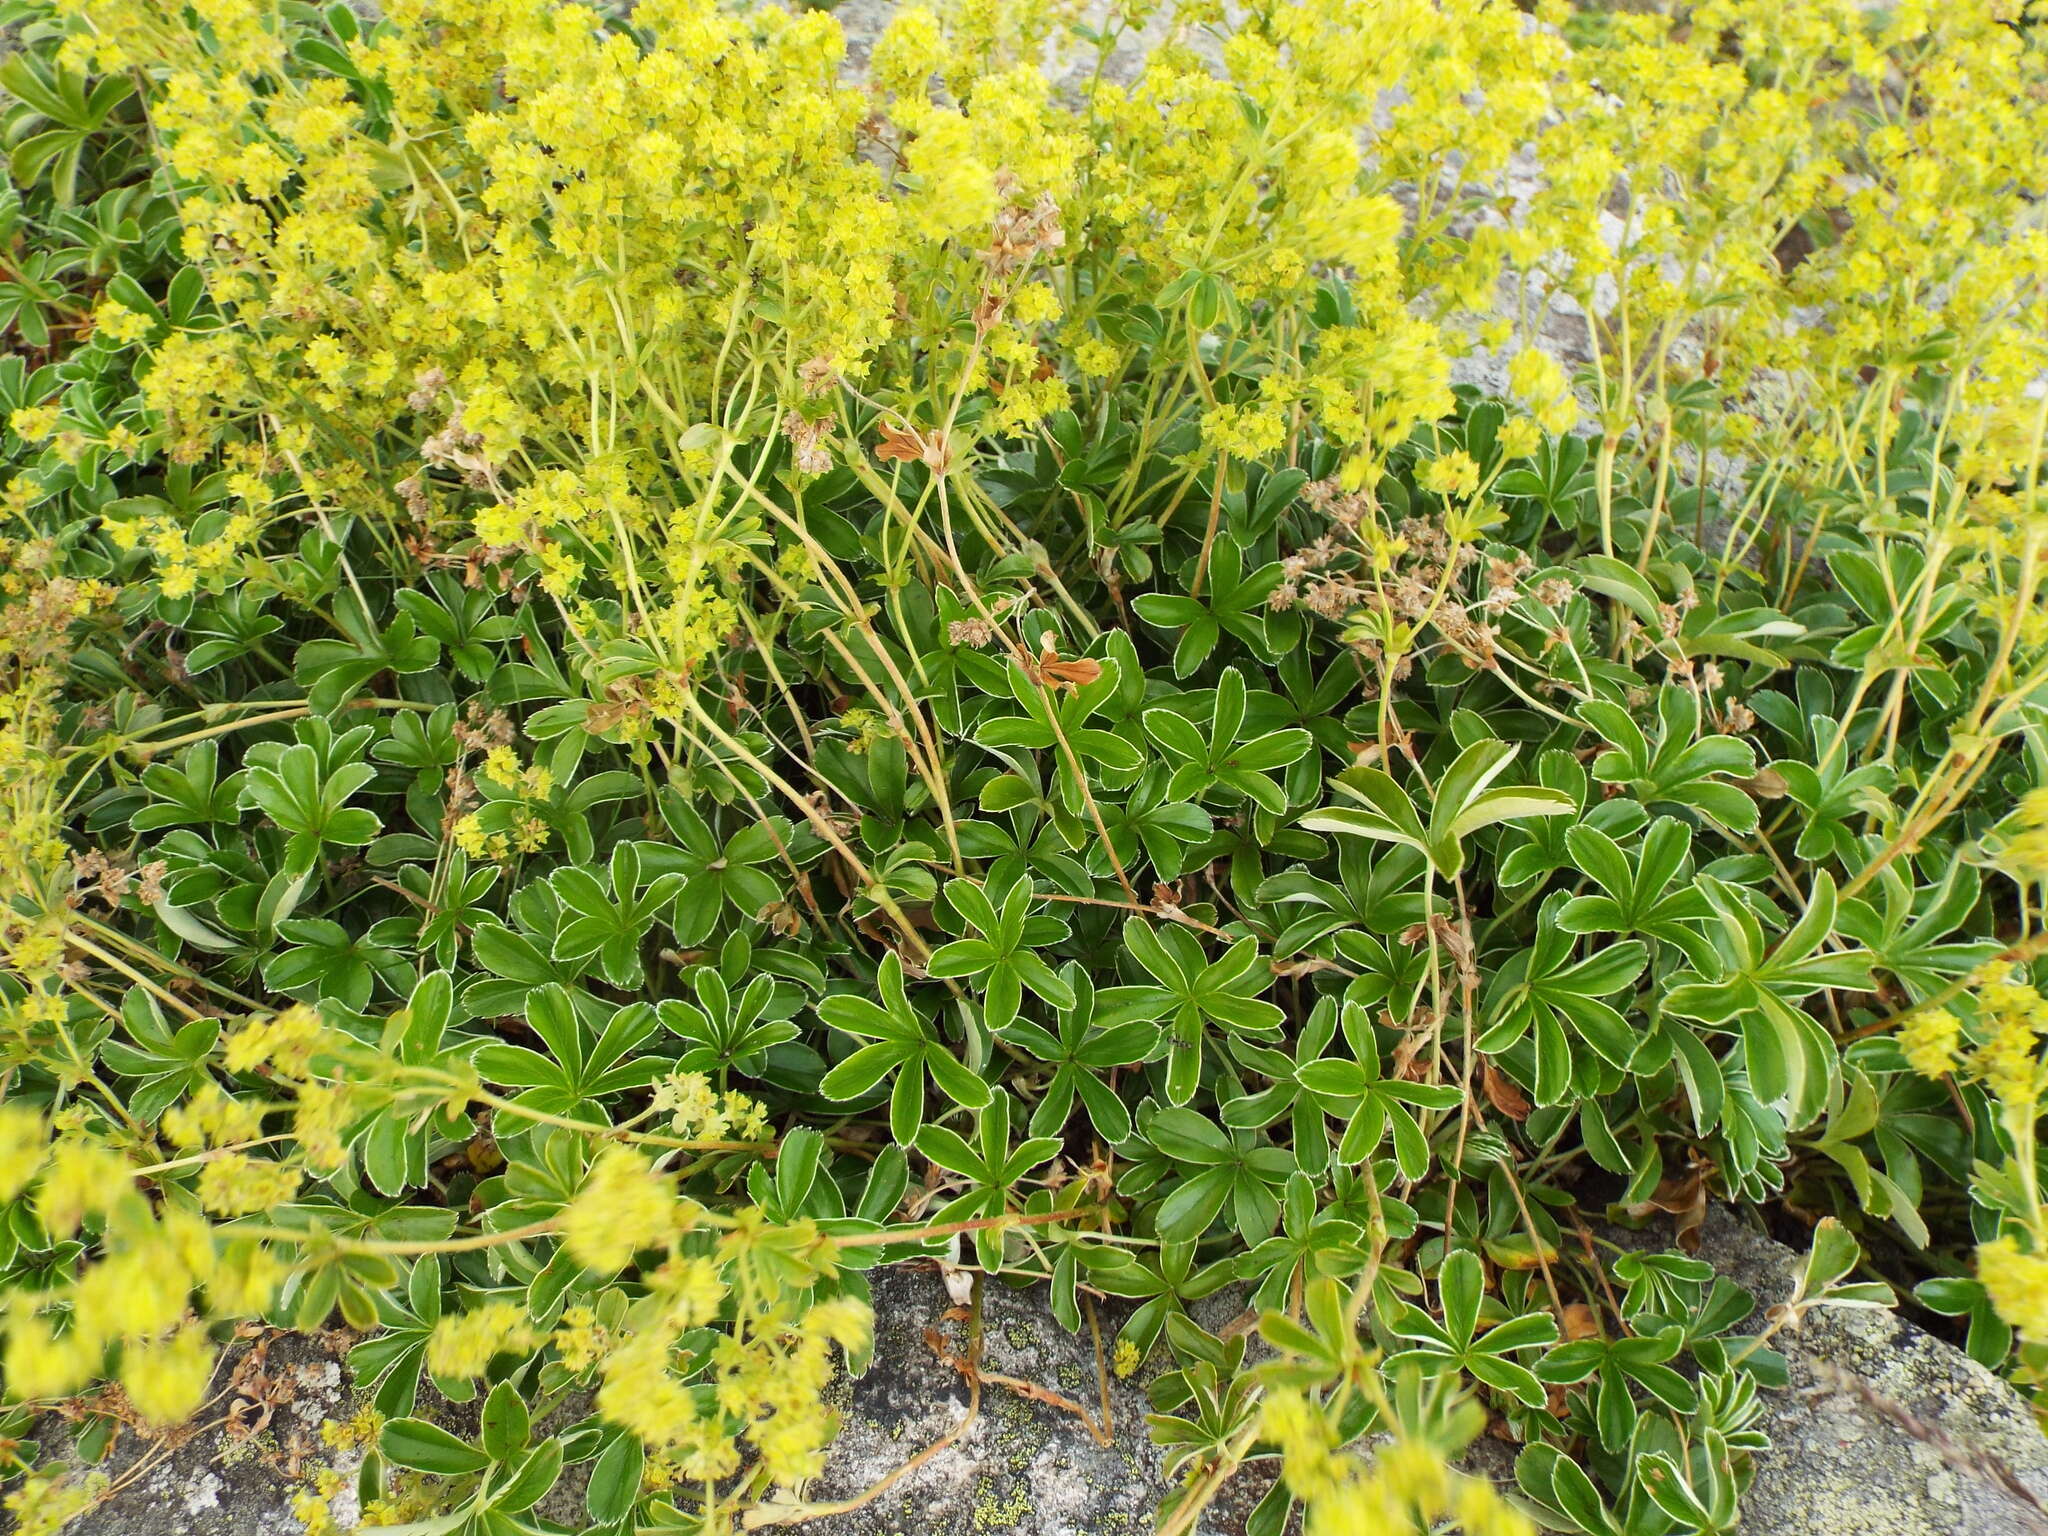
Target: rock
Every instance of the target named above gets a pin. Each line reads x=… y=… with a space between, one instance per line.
x=255 y=1447
x=1885 y=1430
x=1022 y=1465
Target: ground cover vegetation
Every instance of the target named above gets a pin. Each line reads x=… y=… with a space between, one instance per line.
x=639 y=675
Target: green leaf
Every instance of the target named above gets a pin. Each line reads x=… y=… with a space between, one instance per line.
x=505 y=1425
x=427 y=1447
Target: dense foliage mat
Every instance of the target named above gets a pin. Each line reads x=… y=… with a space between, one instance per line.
x=638 y=677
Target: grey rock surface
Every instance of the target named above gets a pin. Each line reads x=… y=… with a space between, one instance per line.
x=236 y=1472
x=1022 y=1464
x=1884 y=1431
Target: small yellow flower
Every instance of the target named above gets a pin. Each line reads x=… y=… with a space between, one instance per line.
x=641 y=1394
x=44 y=1364
x=1519 y=438
x=1126 y=1359
x=2017 y=1284
x=167 y=1381
x=463 y=1344
x=1096 y=358
x=35 y=422
x=24 y=1144
x=118 y=323
x=1930 y=1040
x=1453 y=475
x=1245 y=431
x=848 y=1323
x=82 y=1179
x=623 y=1207
x=1034 y=304
x=236 y=1184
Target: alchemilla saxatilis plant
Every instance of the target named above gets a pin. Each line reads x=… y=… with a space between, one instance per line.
x=640 y=671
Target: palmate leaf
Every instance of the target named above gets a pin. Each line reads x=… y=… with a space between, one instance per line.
x=1148 y=820
x=715 y=875
x=1542 y=991
x=1459 y=1343
x=327 y=961
x=1377 y=890
x=1536 y=848
x=1916 y=935
x=588 y=1053
x=304 y=788
x=189 y=794
x=1310 y=1244
x=1220 y=1173
x=167 y=1062
x=1000 y=952
x=1678 y=766
x=723 y=1031
x=1614 y=1367
x=1754 y=988
x=992 y=1168
x=1372 y=1107
x=1830 y=794
x=1098 y=1031
x=1055 y=719
x=1309 y=1127
x=604 y=920
x=1195 y=993
x=1232 y=601
x=1223 y=767
x=391 y=1363
x=1651 y=894
x=902 y=1044
x=333 y=671
x=1465 y=801
x=1347 y=1088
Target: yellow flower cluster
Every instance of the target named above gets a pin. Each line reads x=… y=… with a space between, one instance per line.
x=1406 y=1488
x=1538 y=380
x=1453 y=475
x=628 y=239
x=1931 y=1040
x=506 y=823
x=768 y=1373
x=2017 y=1284
x=698 y=1112
x=1244 y=431
x=24 y=1145
x=2024 y=853
x=236 y=1184
x=1838 y=196
x=463 y=1344
x=2012 y=1017
x=39 y=615
x=46 y=1501
x=622 y=1207
x=213 y=1118
x=137 y=1296
x=286 y=1042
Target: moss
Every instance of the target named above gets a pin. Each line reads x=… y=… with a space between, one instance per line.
x=1000 y=1511
x=1017 y=1433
